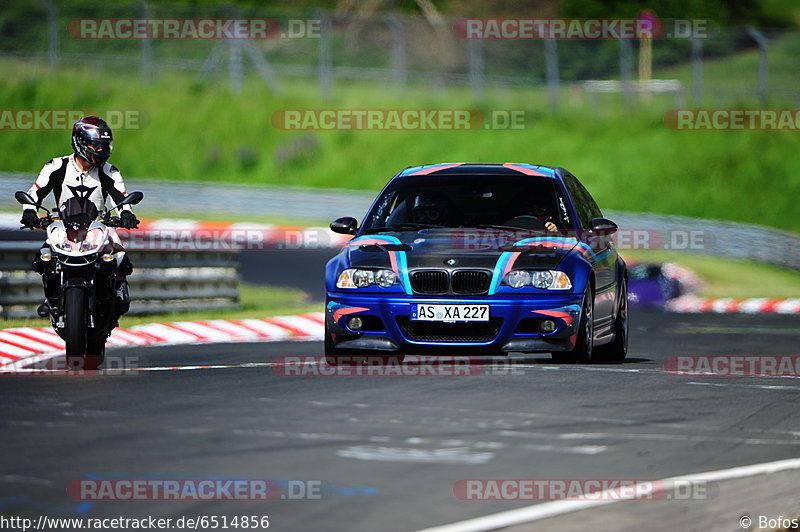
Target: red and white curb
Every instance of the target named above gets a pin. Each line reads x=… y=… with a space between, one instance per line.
x=723 y=305
x=28 y=345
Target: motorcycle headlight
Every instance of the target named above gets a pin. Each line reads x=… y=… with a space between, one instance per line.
x=58 y=237
x=356 y=278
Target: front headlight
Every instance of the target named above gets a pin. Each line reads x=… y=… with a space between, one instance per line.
x=542 y=279
x=88 y=246
x=58 y=237
x=517 y=278
x=356 y=278
x=385 y=278
x=363 y=278
x=547 y=279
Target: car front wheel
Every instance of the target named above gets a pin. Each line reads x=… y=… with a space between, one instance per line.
x=617 y=350
x=582 y=352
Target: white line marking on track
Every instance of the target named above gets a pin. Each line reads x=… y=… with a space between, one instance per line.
x=458 y=455
x=566 y=449
x=647 y=436
x=545 y=510
x=757 y=386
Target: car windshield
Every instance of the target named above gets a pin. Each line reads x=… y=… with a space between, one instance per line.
x=519 y=202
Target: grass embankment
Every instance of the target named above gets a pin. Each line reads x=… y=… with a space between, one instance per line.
x=629 y=160
x=256 y=302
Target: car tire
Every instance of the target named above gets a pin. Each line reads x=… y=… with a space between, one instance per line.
x=582 y=352
x=617 y=350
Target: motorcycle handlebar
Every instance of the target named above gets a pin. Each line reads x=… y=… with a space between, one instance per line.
x=111 y=221
x=41 y=224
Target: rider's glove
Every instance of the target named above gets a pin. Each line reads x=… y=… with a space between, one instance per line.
x=129 y=220
x=29 y=218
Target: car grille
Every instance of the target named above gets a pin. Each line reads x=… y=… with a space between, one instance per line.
x=429 y=282
x=438 y=282
x=470 y=281
x=428 y=331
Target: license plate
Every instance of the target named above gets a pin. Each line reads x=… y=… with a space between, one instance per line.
x=424 y=312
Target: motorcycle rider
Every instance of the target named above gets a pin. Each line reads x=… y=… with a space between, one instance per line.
x=86 y=173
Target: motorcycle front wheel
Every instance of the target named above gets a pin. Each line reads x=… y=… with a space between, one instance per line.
x=75 y=331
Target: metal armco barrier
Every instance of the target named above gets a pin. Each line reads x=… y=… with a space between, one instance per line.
x=719 y=238
x=162 y=281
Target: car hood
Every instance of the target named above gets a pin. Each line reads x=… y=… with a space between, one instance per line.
x=456 y=249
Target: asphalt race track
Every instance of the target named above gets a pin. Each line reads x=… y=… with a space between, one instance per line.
x=385 y=452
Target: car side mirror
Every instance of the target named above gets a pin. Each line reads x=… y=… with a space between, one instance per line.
x=603 y=226
x=345 y=225
x=24 y=198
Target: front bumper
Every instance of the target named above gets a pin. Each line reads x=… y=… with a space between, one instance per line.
x=514 y=324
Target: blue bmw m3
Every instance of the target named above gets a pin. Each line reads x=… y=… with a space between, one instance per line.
x=484 y=259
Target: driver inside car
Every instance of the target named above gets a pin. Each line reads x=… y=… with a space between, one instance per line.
x=532 y=217
x=86 y=174
x=432 y=208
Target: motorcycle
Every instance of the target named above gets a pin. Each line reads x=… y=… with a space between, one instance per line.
x=83 y=268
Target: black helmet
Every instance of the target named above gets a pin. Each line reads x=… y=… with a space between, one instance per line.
x=92 y=140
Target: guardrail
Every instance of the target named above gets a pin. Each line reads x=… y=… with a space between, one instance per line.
x=719 y=238
x=162 y=281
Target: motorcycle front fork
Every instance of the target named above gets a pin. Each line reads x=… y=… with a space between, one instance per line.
x=57 y=311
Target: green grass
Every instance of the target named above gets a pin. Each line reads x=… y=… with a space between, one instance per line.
x=729 y=278
x=256 y=302
x=628 y=160
x=741 y=70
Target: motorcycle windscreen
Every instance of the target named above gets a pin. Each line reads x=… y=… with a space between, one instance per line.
x=78 y=213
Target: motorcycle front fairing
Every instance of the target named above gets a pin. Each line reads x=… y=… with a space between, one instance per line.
x=80 y=253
